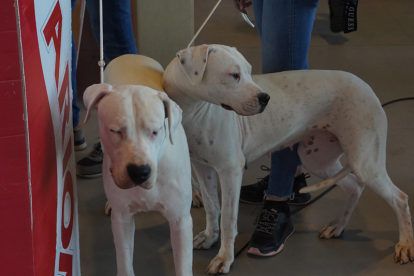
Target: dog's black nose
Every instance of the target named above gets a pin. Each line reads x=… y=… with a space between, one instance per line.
x=263 y=98
x=139 y=174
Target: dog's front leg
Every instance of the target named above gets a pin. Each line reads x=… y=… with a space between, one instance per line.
x=123 y=228
x=207 y=178
x=182 y=241
x=230 y=179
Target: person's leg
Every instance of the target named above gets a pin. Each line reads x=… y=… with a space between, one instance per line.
x=285 y=28
x=75 y=108
x=285 y=43
x=117 y=27
x=285 y=35
x=258 y=14
x=79 y=138
x=118 y=40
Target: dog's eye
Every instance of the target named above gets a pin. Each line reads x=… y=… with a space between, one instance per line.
x=236 y=76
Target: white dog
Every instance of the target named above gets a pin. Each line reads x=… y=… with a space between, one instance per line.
x=335 y=110
x=138 y=127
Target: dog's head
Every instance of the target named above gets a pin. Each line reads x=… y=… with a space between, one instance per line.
x=221 y=75
x=133 y=129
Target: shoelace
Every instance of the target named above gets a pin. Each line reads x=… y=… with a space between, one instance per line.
x=97 y=150
x=266 y=221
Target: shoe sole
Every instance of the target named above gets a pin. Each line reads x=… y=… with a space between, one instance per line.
x=89 y=175
x=250 y=202
x=255 y=251
x=300 y=203
x=81 y=147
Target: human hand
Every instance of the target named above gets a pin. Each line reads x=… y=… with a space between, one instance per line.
x=241 y=5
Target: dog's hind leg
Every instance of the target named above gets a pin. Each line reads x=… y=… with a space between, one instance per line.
x=321 y=157
x=197 y=199
x=123 y=228
x=207 y=178
x=181 y=240
x=353 y=191
x=404 y=250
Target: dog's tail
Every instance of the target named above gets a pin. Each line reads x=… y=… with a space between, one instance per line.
x=328 y=182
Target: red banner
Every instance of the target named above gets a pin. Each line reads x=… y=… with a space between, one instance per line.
x=45 y=36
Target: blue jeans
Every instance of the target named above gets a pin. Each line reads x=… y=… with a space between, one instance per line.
x=285 y=28
x=118 y=36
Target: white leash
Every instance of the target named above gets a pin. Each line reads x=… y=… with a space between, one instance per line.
x=101 y=62
x=204 y=23
x=208 y=17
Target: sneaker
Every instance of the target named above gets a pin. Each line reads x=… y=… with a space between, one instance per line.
x=254 y=193
x=79 y=138
x=299 y=183
x=91 y=165
x=273 y=227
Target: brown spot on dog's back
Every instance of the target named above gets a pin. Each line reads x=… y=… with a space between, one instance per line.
x=310 y=143
x=315 y=127
x=308 y=152
x=316 y=150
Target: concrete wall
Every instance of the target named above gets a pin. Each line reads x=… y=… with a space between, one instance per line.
x=164 y=27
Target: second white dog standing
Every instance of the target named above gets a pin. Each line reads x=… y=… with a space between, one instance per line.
x=304 y=105
x=146 y=163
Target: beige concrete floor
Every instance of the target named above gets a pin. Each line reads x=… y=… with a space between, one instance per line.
x=381 y=52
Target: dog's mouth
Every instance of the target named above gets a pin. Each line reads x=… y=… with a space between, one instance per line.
x=226 y=107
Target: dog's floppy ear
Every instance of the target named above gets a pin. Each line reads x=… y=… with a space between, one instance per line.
x=193 y=62
x=93 y=94
x=173 y=112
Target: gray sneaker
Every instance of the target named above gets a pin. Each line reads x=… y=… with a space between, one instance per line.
x=79 y=138
x=91 y=165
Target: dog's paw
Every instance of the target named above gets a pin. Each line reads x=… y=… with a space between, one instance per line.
x=404 y=252
x=332 y=230
x=220 y=264
x=204 y=241
x=197 y=199
x=108 y=209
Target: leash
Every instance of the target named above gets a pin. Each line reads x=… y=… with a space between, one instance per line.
x=101 y=62
x=208 y=18
x=204 y=23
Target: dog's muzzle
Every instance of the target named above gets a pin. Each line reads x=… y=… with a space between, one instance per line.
x=263 y=99
x=138 y=174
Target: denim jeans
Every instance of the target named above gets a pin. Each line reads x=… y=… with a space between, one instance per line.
x=285 y=28
x=118 y=38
